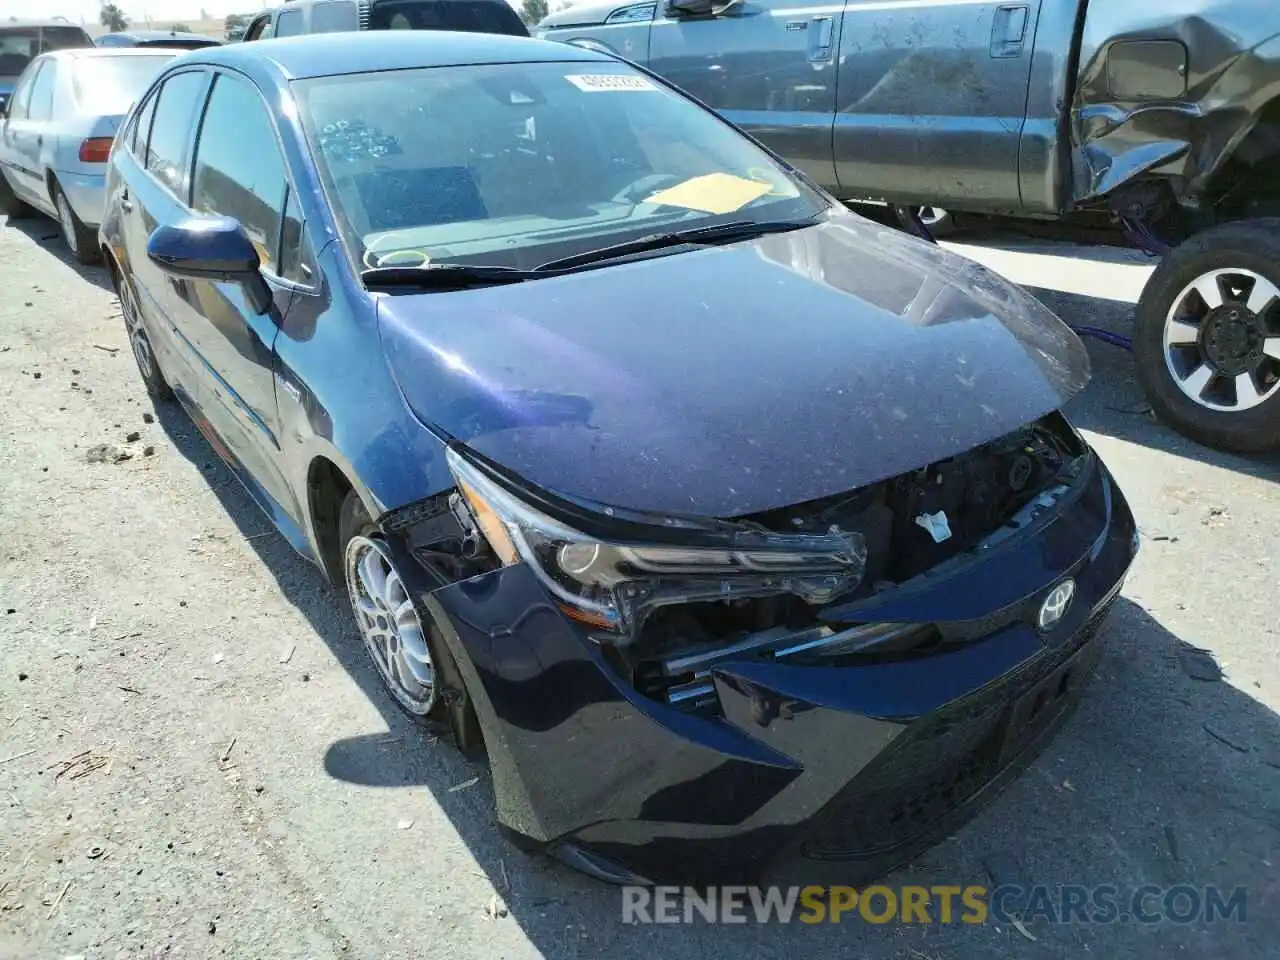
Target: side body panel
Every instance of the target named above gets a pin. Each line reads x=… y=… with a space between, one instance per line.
x=768 y=66
x=1044 y=150
x=932 y=99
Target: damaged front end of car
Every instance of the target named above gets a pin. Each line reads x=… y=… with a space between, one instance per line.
x=669 y=697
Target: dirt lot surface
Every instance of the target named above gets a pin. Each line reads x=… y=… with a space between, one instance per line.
x=195 y=760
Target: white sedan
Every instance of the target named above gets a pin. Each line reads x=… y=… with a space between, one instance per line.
x=56 y=133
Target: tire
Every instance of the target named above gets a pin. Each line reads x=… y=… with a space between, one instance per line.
x=1229 y=261
x=940 y=223
x=449 y=704
x=10 y=205
x=139 y=340
x=80 y=240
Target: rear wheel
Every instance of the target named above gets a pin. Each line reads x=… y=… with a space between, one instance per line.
x=1207 y=337
x=10 y=205
x=80 y=240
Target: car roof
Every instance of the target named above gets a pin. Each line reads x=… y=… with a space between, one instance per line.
x=334 y=54
x=39 y=23
x=98 y=53
x=166 y=35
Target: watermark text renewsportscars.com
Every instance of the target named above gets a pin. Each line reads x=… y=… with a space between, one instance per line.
x=972 y=904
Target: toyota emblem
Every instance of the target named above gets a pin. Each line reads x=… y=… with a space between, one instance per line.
x=1056 y=604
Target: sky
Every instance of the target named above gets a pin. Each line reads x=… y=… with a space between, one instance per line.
x=87 y=10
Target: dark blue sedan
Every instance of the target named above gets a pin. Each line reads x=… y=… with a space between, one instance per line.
x=744 y=536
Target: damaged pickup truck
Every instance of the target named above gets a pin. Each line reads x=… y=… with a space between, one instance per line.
x=742 y=534
x=1162 y=116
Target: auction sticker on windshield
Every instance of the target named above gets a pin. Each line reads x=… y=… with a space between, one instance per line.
x=609 y=82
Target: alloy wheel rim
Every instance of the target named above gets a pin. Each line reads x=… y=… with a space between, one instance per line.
x=133 y=324
x=65 y=221
x=1222 y=340
x=389 y=625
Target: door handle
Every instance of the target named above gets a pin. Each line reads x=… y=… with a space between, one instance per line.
x=821 y=30
x=1009 y=30
x=125 y=203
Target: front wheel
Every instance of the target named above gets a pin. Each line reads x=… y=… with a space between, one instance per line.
x=939 y=222
x=411 y=657
x=1207 y=337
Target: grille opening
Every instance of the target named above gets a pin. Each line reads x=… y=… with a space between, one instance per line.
x=987 y=494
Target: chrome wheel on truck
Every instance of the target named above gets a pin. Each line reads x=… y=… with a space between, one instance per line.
x=1207 y=340
x=1217 y=343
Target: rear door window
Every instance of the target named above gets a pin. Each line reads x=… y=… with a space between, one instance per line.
x=169 y=146
x=41 y=104
x=142 y=129
x=22 y=95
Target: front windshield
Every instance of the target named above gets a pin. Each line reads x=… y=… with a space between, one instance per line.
x=518 y=164
x=20 y=45
x=107 y=86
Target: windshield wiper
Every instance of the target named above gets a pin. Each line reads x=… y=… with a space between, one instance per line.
x=695 y=236
x=444 y=276
x=458 y=276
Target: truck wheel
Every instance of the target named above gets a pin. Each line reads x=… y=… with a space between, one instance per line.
x=939 y=222
x=1207 y=337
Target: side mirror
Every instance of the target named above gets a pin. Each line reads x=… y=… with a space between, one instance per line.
x=211 y=248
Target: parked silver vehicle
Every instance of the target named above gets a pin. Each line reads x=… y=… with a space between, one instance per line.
x=56 y=133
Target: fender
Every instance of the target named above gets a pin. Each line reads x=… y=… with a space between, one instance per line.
x=351 y=413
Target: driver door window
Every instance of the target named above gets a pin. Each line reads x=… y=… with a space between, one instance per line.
x=239 y=171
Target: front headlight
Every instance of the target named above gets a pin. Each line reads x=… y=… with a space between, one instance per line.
x=614 y=585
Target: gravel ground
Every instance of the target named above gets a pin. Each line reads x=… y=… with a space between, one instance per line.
x=195 y=760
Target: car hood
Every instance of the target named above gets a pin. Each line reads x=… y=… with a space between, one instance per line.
x=731 y=380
